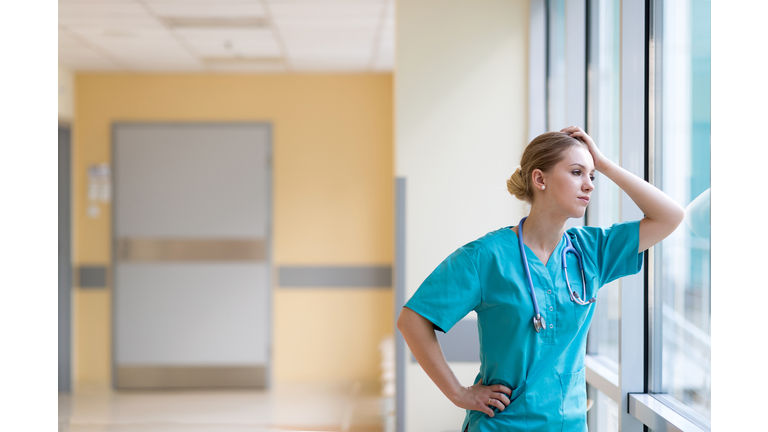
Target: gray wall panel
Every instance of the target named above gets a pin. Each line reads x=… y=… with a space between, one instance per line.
x=91 y=277
x=335 y=276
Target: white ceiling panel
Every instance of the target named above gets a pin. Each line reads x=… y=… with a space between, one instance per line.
x=101 y=10
x=211 y=10
x=168 y=67
x=329 y=65
x=125 y=24
x=65 y=38
x=76 y=50
x=223 y=34
x=88 y=63
x=201 y=2
x=231 y=42
x=327 y=10
x=246 y=67
x=236 y=50
x=91 y=2
x=302 y=35
x=144 y=40
x=319 y=25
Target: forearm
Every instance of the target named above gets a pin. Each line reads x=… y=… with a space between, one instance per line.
x=662 y=213
x=420 y=336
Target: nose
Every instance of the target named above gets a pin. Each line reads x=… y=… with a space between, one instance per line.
x=588 y=185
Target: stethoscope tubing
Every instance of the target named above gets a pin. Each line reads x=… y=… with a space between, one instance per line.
x=538 y=320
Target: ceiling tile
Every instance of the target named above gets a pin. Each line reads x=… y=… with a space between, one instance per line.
x=201 y=2
x=317 y=35
x=329 y=65
x=124 y=24
x=330 y=10
x=86 y=60
x=101 y=10
x=212 y=10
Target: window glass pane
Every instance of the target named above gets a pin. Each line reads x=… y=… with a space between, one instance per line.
x=555 y=65
x=680 y=357
x=603 y=125
x=603 y=416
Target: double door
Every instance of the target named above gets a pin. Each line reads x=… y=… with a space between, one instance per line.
x=191 y=224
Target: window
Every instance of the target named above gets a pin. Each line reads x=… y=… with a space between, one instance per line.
x=681 y=309
x=661 y=67
x=603 y=91
x=556 y=65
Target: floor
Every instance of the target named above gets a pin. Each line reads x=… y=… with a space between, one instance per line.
x=342 y=408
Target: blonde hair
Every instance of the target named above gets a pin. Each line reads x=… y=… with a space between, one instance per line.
x=544 y=152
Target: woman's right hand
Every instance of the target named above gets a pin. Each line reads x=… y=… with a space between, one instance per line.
x=481 y=398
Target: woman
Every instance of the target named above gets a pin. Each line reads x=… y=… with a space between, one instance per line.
x=532 y=364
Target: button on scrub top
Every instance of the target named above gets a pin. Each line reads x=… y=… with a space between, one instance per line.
x=544 y=370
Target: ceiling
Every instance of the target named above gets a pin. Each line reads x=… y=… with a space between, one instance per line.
x=270 y=36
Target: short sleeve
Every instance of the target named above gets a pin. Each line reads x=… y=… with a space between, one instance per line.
x=612 y=250
x=449 y=292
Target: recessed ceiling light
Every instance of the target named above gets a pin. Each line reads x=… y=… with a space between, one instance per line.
x=216 y=22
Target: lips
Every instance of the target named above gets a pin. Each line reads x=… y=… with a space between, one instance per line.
x=585 y=199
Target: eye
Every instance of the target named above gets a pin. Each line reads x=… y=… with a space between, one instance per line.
x=576 y=172
x=592 y=177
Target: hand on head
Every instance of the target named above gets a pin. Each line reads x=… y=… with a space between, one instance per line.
x=582 y=136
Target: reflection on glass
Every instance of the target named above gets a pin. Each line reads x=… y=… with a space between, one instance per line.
x=603 y=125
x=604 y=414
x=681 y=352
x=556 y=65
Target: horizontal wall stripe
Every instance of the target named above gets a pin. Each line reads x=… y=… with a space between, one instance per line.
x=181 y=377
x=156 y=250
x=461 y=343
x=91 y=277
x=335 y=276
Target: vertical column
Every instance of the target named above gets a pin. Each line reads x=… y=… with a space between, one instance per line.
x=400 y=351
x=633 y=139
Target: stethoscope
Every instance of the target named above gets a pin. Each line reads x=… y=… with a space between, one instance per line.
x=538 y=320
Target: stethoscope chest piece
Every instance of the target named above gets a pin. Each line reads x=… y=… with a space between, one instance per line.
x=539 y=323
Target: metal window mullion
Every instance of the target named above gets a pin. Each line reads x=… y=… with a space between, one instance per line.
x=537 y=69
x=575 y=62
x=632 y=135
x=658 y=416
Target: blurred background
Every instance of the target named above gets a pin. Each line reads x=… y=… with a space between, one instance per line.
x=249 y=190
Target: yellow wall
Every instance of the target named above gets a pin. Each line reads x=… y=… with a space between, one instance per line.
x=332 y=203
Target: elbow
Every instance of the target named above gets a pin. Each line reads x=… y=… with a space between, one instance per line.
x=678 y=216
x=401 y=320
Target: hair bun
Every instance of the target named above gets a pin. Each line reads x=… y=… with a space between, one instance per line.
x=516 y=184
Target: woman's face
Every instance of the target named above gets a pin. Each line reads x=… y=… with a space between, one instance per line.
x=569 y=183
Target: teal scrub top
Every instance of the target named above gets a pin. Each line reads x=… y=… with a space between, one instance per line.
x=544 y=370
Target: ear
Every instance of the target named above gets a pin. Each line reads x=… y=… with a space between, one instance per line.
x=538 y=179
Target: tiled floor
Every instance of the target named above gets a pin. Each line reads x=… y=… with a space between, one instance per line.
x=343 y=408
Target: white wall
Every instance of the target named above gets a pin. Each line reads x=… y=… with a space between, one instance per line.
x=66 y=95
x=461 y=119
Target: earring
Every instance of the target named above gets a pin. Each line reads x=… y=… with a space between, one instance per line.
x=542 y=188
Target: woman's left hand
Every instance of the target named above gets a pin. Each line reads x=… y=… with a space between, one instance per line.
x=579 y=133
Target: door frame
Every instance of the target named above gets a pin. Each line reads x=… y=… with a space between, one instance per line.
x=65 y=265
